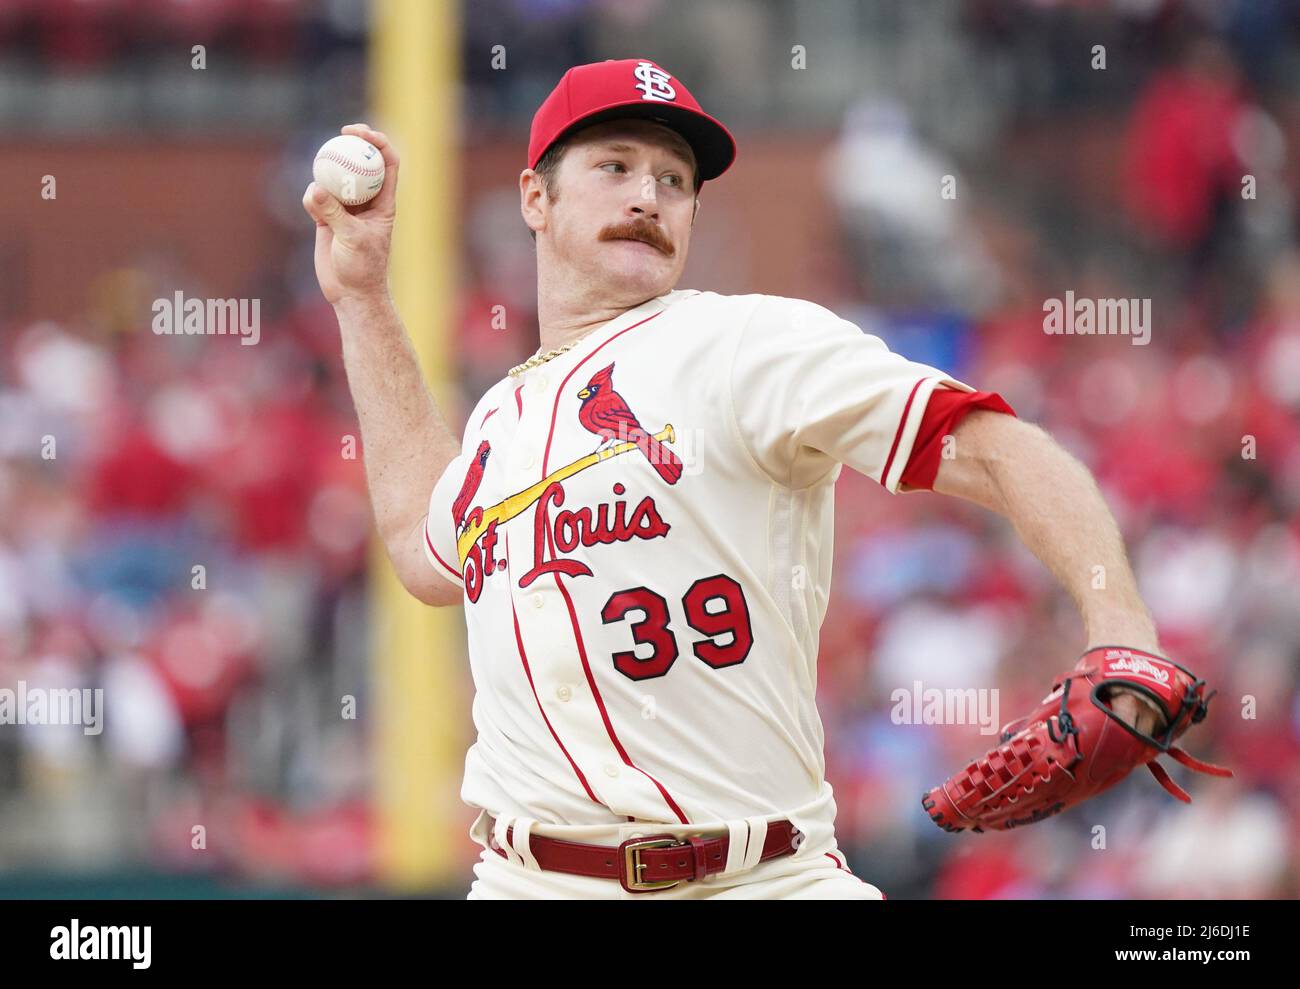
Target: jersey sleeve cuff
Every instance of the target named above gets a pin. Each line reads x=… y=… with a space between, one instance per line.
x=946 y=408
x=436 y=561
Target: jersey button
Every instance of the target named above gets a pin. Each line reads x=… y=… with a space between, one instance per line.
x=537 y=601
x=611 y=769
x=564 y=693
x=540 y=384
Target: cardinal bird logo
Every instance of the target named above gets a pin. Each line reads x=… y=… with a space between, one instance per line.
x=604 y=413
x=473 y=477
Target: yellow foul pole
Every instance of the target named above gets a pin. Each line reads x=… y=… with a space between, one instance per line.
x=417 y=663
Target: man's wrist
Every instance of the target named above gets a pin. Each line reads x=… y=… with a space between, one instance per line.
x=365 y=303
x=1132 y=629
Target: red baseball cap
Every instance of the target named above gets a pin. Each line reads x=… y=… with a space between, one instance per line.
x=631 y=87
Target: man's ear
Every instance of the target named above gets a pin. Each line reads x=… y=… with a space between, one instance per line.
x=531 y=192
x=697 y=210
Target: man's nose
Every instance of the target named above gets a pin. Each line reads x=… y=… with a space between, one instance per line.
x=646 y=201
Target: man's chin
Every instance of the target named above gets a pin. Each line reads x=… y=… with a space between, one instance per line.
x=646 y=275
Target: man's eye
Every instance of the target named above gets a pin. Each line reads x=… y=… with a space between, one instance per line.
x=615 y=164
x=677 y=179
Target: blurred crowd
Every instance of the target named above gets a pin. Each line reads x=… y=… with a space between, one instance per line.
x=184 y=523
x=1193 y=437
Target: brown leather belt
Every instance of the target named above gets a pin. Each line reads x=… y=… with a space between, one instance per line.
x=643 y=865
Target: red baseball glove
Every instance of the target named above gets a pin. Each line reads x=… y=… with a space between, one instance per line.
x=1074 y=746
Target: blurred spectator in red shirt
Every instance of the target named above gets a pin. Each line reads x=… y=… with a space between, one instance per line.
x=1180 y=157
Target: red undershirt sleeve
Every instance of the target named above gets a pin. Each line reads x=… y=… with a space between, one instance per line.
x=946 y=408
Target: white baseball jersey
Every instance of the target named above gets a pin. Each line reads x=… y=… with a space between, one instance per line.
x=643 y=529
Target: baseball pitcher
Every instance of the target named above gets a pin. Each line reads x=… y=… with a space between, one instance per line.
x=638 y=522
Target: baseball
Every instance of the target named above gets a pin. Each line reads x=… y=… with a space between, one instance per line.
x=351 y=169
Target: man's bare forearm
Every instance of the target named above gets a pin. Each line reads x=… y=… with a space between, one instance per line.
x=405 y=439
x=1053 y=502
x=1055 y=506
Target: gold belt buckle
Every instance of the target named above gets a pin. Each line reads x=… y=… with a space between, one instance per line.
x=632 y=864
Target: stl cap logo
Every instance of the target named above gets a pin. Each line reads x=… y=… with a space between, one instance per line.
x=654 y=84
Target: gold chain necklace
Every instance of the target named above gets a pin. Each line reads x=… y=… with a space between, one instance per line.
x=538 y=359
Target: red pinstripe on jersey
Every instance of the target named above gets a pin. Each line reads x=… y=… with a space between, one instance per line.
x=523 y=659
x=604 y=715
x=898 y=435
x=573 y=618
x=447 y=566
x=845 y=867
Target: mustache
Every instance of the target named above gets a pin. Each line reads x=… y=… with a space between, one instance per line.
x=642 y=230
